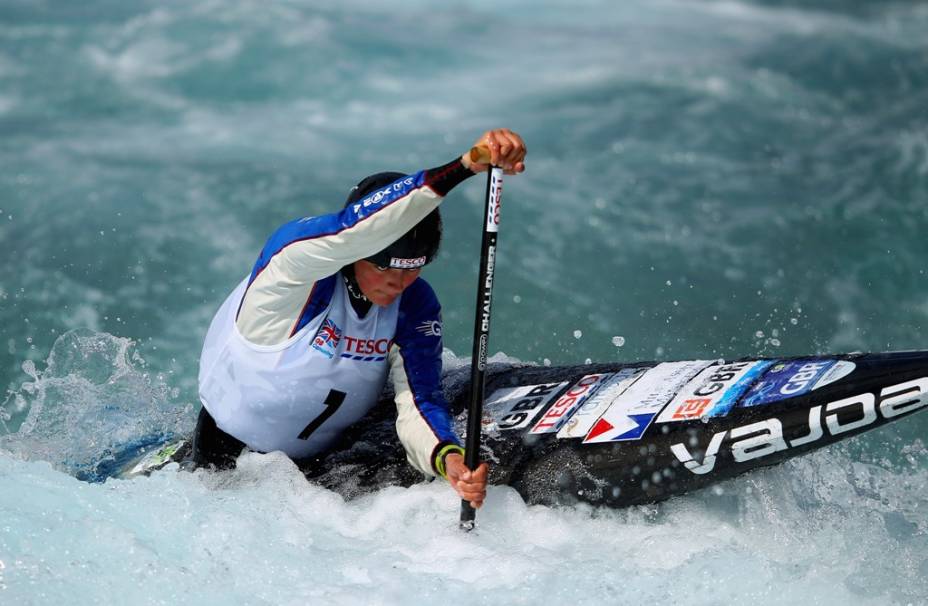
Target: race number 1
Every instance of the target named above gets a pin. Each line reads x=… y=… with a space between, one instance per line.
x=332 y=402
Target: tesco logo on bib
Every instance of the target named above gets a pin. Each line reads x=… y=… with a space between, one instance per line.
x=330 y=340
x=367 y=346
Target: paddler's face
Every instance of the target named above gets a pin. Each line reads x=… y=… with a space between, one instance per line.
x=383 y=285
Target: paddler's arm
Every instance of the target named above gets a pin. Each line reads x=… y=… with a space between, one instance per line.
x=424 y=423
x=282 y=288
x=282 y=285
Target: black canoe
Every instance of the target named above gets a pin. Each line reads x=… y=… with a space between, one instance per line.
x=626 y=434
x=646 y=431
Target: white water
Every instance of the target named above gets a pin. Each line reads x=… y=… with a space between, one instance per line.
x=824 y=529
x=807 y=532
x=264 y=535
x=706 y=178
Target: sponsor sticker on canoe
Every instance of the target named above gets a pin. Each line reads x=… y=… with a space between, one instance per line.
x=838 y=371
x=516 y=407
x=795 y=378
x=714 y=391
x=556 y=416
x=580 y=423
x=632 y=412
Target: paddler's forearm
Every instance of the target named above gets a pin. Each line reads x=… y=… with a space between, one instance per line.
x=442 y=179
x=424 y=424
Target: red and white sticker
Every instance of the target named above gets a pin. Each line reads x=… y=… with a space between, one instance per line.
x=516 y=407
x=555 y=417
x=632 y=412
x=495 y=199
x=580 y=423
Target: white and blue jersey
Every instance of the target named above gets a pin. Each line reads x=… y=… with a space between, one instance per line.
x=288 y=364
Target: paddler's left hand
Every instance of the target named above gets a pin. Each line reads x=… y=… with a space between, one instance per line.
x=507 y=150
x=470 y=485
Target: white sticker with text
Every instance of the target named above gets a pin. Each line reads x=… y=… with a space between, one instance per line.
x=556 y=416
x=631 y=413
x=516 y=407
x=582 y=421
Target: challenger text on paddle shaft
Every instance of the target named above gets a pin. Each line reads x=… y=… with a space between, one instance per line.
x=488 y=295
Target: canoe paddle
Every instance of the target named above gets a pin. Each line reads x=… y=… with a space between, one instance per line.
x=481 y=322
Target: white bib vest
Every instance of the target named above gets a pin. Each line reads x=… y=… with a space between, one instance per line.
x=298 y=396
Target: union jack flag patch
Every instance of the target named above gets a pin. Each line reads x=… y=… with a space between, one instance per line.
x=326 y=340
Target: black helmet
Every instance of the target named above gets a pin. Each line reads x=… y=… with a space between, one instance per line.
x=415 y=248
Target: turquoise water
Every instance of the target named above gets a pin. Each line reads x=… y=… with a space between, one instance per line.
x=704 y=179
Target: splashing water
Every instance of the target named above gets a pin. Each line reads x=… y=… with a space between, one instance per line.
x=700 y=171
x=94 y=404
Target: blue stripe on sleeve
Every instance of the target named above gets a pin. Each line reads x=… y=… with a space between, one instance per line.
x=309 y=228
x=317 y=302
x=418 y=335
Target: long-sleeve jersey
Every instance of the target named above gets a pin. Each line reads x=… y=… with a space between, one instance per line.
x=288 y=364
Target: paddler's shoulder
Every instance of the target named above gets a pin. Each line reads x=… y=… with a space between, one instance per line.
x=419 y=302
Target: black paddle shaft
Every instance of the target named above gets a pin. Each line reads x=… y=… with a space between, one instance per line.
x=482 y=330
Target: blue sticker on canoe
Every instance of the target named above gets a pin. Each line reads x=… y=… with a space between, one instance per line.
x=789 y=379
x=727 y=401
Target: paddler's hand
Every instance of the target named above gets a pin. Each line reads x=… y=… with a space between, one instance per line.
x=470 y=485
x=507 y=150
